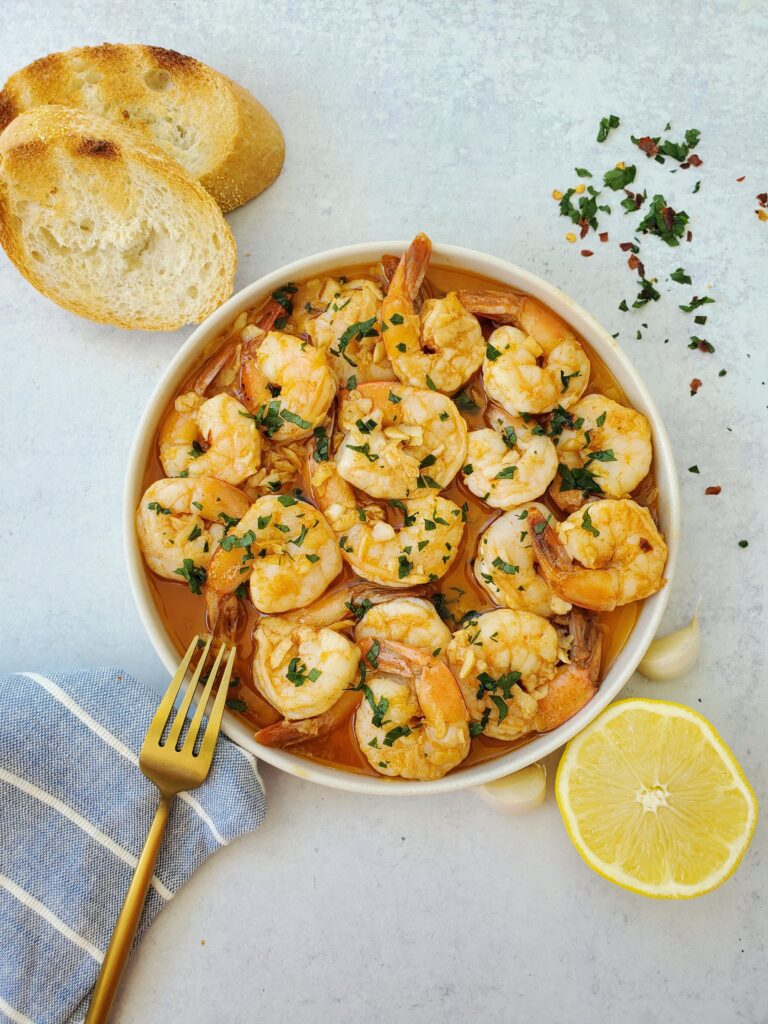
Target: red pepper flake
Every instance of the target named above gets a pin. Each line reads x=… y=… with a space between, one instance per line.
x=635 y=264
x=603 y=236
x=626 y=246
x=647 y=145
x=741 y=178
x=762 y=198
x=713 y=490
x=645 y=544
x=668 y=215
x=695 y=385
x=587 y=252
x=584 y=228
x=689 y=236
x=694 y=160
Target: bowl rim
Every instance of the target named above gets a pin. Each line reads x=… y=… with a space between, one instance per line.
x=194 y=348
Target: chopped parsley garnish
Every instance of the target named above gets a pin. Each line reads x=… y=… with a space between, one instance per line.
x=491 y=353
x=680 y=276
x=646 y=294
x=404 y=567
x=286 y=500
x=465 y=402
x=619 y=177
x=158 y=509
x=506 y=474
x=430 y=383
x=606 y=123
x=693 y=469
x=229 y=521
x=510 y=570
x=196 y=532
x=364 y=449
x=602 y=456
x=566 y=378
x=587 y=524
x=582 y=172
x=395 y=734
x=320 y=454
x=379 y=708
x=235 y=704
x=195 y=575
x=293 y=417
x=365 y=426
x=233 y=541
x=509 y=437
x=396 y=318
x=362 y=329
x=601 y=419
x=395 y=399
x=475 y=728
x=695 y=303
x=298 y=675
x=578 y=479
x=663 y=221
x=743 y=543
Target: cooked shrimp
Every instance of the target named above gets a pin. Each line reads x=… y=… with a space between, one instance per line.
x=302 y=663
x=607 y=554
x=504 y=660
x=180 y=521
x=213 y=437
x=412 y=621
x=413 y=721
x=506 y=568
x=399 y=440
x=535 y=365
x=283 y=549
x=309 y=629
x=420 y=551
x=508 y=463
x=287 y=384
x=439 y=348
x=609 y=442
x=343 y=320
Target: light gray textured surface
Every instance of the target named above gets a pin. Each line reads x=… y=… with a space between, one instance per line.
x=458 y=119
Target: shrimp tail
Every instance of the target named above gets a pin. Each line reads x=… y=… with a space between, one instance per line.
x=287 y=733
x=409 y=275
x=589 y=588
x=502 y=307
x=223 y=614
x=575 y=684
x=587 y=642
x=212 y=368
x=554 y=561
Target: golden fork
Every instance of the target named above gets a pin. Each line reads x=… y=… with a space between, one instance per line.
x=172 y=771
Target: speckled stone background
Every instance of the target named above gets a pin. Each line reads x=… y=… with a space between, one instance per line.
x=458 y=119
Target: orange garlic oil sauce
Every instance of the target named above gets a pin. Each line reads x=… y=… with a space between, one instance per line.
x=183 y=613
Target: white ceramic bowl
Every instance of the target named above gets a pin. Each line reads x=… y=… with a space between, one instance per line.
x=199 y=344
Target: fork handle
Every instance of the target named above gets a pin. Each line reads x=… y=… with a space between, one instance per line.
x=127 y=923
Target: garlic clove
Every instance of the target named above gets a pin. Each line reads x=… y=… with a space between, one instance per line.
x=516 y=794
x=672 y=656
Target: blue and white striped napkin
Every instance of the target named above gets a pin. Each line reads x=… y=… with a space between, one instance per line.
x=74 y=813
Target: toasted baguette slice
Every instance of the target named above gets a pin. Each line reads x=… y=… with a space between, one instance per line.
x=103 y=223
x=213 y=127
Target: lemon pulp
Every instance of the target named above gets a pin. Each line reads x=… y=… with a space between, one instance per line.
x=653 y=799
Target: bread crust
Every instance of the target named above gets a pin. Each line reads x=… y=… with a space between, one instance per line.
x=50 y=155
x=236 y=148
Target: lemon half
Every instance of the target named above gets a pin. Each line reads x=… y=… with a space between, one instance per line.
x=654 y=801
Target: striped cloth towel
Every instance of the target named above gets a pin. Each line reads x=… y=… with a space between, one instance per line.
x=74 y=813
